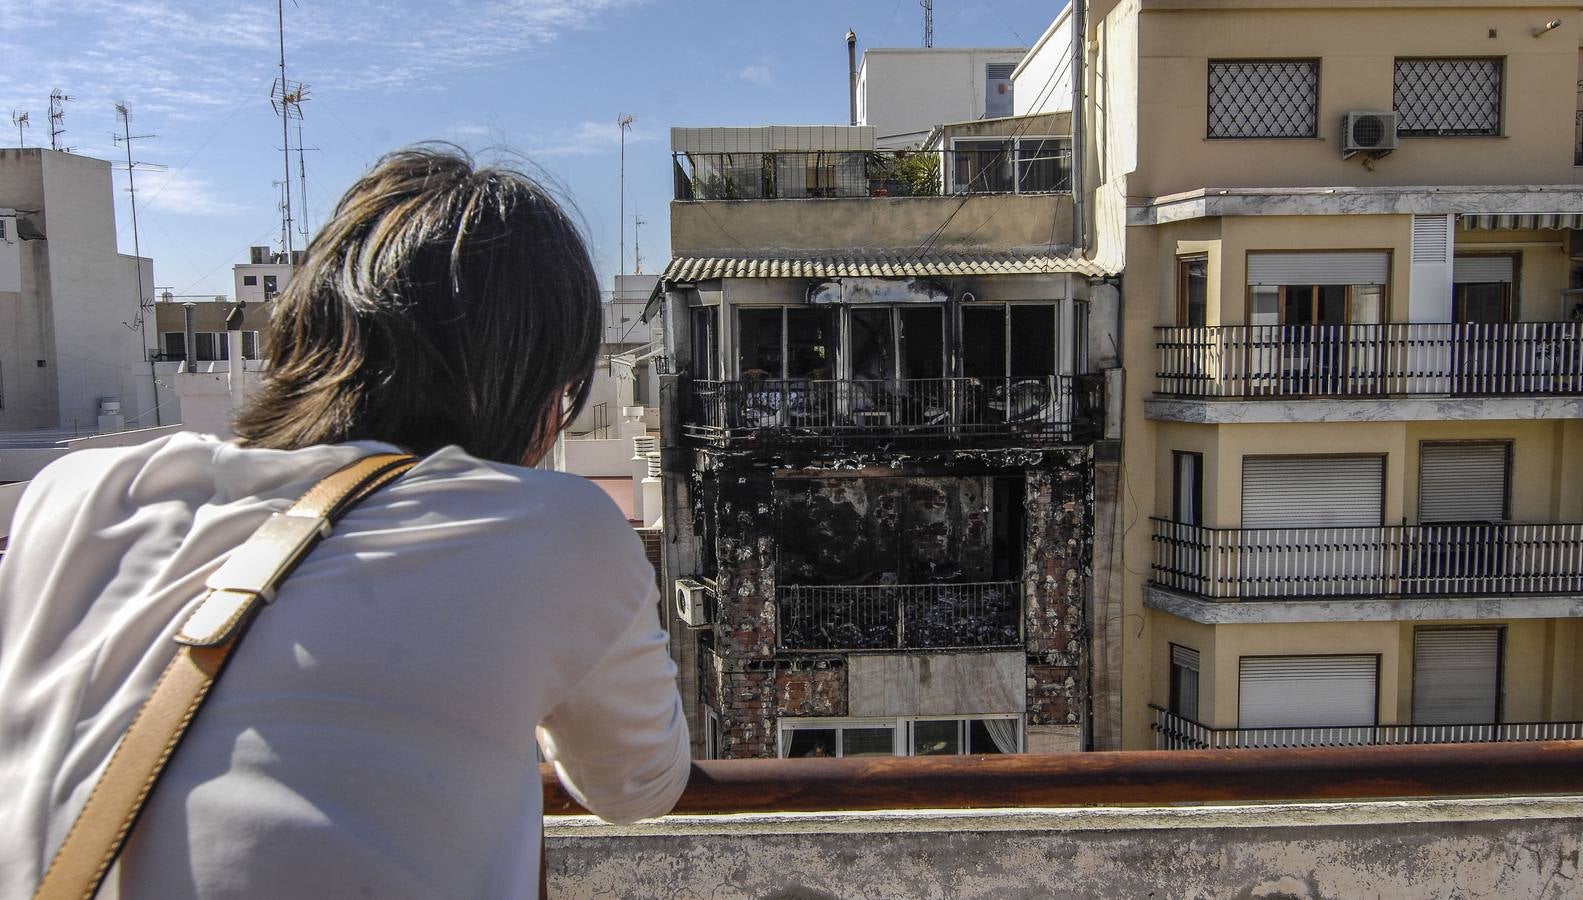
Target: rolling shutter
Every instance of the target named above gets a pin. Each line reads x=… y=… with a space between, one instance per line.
x=1312 y=491
x=1299 y=691
x=1456 y=676
x=1319 y=268
x=1462 y=482
x=1481 y=269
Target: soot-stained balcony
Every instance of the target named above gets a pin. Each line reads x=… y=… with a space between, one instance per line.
x=900 y=616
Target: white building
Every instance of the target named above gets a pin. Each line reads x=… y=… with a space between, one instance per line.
x=67 y=299
x=265 y=273
x=905 y=92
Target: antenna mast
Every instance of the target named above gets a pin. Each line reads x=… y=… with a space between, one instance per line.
x=637 y=249
x=57 y=118
x=19 y=119
x=145 y=304
x=928 y=22
x=278 y=99
x=624 y=122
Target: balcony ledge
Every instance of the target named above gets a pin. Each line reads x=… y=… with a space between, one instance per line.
x=1257 y=411
x=1484 y=846
x=1360 y=609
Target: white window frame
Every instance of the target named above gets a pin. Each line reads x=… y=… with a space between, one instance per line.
x=901 y=726
x=712 y=734
x=949 y=170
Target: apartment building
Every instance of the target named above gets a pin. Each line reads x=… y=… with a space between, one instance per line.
x=878 y=431
x=1353 y=455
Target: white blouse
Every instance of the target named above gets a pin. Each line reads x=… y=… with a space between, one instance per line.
x=374 y=734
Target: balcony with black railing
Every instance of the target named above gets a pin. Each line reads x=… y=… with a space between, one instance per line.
x=1175 y=732
x=1048 y=409
x=1252 y=362
x=975 y=615
x=1431 y=560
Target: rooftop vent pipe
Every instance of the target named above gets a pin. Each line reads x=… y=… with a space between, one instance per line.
x=851 y=72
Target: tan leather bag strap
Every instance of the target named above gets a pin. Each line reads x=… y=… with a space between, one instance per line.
x=237 y=590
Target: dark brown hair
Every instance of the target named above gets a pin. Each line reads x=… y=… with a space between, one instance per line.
x=443 y=303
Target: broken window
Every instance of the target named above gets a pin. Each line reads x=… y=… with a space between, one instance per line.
x=984 y=341
x=759 y=344
x=810 y=342
x=922 y=342
x=873 y=344
x=780 y=342
x=1032 y=341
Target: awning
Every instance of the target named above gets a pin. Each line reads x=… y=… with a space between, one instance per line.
x=885 y=265
x=1520 y=221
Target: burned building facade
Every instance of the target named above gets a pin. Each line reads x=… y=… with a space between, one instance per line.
x=878 y=469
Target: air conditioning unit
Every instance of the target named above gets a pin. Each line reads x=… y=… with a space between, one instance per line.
x=1365 y=131
x=694 y=602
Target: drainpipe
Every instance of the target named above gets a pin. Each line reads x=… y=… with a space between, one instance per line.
x=851 y=73
x=1079 y=150
x=190 y=364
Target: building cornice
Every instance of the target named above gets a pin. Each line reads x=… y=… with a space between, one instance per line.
x=1517 y=199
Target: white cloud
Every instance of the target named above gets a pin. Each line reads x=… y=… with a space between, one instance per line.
x=756 y=74
x=587 y=137
x=185 y=194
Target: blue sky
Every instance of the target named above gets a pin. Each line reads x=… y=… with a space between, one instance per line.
x=546 y=78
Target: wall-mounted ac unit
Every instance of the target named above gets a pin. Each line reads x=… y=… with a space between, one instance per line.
x=1365 y=131
x=694 y=602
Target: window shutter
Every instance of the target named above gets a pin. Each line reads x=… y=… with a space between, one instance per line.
x=1312 y=491
x=1481 y=270
x=1318 y=268
x=1456 y=676
x=1184 y=657
x=1298 y=691
x=1462 y=482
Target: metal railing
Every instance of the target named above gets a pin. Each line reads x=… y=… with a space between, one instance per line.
x=1051 y=407
x=900 y=616
x=1451 y=559
x=1174 y=732
x=1254 y=361
x=798 y=175
x=1031 y=780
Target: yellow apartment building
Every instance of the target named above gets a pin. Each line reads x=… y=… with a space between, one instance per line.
x=1350 y=497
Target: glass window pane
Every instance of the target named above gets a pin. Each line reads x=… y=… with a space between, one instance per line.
x=250 y=345
x=1032 y=341
x=923 y=343
x=1479 y=303
x=1194 y=286
x=1299 y=307
x=873 y=346
x=1044 y=165
x=992 y=736
x=984 y=342
x=981 y=166
x=937 y=738
x=868 y=741
x=810 y=343
x=759 y=343
x=706 y=342
x=175 y=344
x=1367 y=299
x=810 y=742
x=1266 y=305
x=1332 y=305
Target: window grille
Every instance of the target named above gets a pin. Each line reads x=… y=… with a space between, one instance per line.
x=1264 y=98
x=1448 y=96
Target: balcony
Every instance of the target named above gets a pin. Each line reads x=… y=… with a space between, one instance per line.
x=1174 y=732
x=807 y=175
x=842 y=618
x=1052 y=409
x=1285 y=362
x=1440 y=560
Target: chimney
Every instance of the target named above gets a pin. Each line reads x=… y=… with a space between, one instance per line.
x=851 y=72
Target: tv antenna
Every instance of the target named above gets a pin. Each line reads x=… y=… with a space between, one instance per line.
x=284 y=98
x=57 y=118
x=291 y=100
x=928 y=22
x=20 y=120
x=145 y=304
x=637 y=248
x=624 y=122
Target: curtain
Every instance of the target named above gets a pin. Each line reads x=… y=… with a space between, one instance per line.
x=1003 y=732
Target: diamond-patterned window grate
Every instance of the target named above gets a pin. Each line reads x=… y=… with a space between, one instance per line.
x=1448 y=96
x=1264 y=98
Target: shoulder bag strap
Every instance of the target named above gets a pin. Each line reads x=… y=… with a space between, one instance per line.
x=237 y=590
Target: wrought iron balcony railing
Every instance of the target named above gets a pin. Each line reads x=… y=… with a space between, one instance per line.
x=1036 y=167
x=1286 y=361
x=1042 y=409
x=1174 y=732
x=900 y=616
x=1473 y=559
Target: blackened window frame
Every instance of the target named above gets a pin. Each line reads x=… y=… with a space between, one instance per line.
x=1209 y=98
